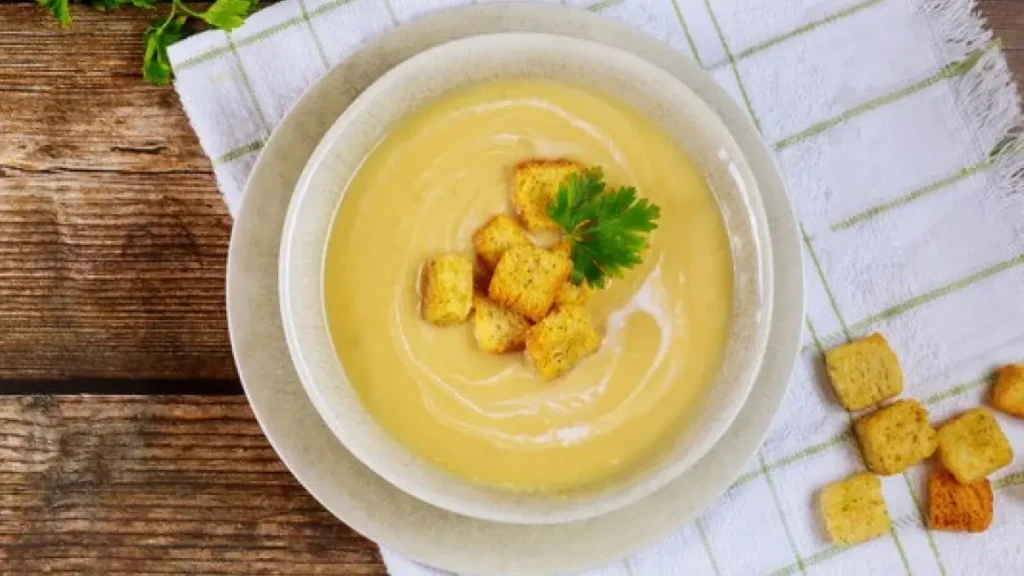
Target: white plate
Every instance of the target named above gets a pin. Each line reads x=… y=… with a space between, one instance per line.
x=345 y=486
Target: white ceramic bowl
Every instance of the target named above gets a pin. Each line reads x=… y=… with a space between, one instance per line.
x=321 y=189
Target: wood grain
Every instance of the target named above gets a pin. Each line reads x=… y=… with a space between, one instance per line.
x=157 y=485
x=113 y=237
x=1006 y=18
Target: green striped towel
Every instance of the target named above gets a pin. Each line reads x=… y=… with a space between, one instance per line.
x=896 y=126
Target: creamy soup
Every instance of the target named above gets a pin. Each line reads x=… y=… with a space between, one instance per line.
x=439 y=175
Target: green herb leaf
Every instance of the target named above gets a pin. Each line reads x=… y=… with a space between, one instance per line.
x=107 y=5
x=608 y=229
x=156 y=67
x=59 y=9
x=227 y=14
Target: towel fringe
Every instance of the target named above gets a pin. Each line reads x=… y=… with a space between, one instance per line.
x=958 y=25
x=987 y=93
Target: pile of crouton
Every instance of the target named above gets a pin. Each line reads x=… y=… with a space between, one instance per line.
x=897 y=436
x=518 y=294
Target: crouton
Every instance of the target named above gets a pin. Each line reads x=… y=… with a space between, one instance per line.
x=571 y=294
x=560 y=340
x=499 y=234
x=564 y=247
x=958 y=507
x=496 y=328
x=1008 y=394
x=527 y=279
x=481 y=276
x=972 y=446
x=864 y=372
x=536 y=183
x=895 y=437
x=854 y=510
x=447 y=290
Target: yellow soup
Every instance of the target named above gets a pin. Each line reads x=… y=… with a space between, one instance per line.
x=439 y=175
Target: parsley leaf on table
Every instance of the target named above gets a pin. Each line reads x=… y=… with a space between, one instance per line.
x=227 y=14
x=107 y=5
x=223 y=14
x=608 y=228
x=59 y=9
x=156 y=66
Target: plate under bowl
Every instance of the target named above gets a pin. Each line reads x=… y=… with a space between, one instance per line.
x=355 y=494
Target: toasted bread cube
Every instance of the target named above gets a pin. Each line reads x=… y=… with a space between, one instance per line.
x=560 y=340
x=571 y=294
x=972 y=446
x=496 y=328
x=864 y=372
x=536 y=183
x=895 y=437
x=854 y=510
x=527 y=279
x=1008 y=394
x=498 y=235
x=564 y=247
x=447 y=290
x=481 y=276
x=958 y=507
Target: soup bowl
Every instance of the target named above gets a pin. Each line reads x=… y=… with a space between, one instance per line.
x=320 y=191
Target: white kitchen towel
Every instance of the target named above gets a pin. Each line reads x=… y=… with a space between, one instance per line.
x=896 y=125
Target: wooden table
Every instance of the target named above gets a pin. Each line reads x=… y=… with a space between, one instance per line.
x=112 y=250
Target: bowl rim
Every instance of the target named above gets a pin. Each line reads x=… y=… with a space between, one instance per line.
x=510 y=507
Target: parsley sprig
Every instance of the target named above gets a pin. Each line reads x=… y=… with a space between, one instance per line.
x=156 y=66
x=608 y=228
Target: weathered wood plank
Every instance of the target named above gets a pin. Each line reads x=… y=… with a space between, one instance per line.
x=113 y=237
x=74 y=100
x=157 y=485
x=112 y=274
x=1006 y=18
